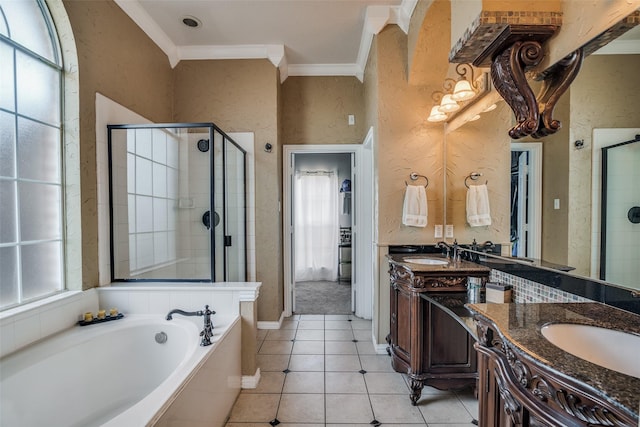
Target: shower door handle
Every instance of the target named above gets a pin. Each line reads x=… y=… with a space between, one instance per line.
x=206 y=219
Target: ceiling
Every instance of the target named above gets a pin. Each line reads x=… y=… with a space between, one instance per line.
x=301 y=37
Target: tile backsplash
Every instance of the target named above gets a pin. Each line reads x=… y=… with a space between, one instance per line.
x=528 y=291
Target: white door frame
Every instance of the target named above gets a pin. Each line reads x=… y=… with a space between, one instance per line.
x=534 y=241
x=361 y=224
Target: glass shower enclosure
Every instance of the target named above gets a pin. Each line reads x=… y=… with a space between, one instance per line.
x=177 y=203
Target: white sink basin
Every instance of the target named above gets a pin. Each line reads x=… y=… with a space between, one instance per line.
x=426 y=261
x=615 y=350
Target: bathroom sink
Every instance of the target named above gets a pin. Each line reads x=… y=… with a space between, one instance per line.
x=609 y=348
x=425 y=261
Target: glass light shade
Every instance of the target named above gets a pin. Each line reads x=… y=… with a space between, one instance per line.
x=463 y=91
x=448 y=105
x=436 y=115
x=490 y=108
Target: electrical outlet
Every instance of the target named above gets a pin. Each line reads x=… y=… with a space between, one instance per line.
x=448 y=231
x=556 y=204
x=438 y=232
x=352 y=120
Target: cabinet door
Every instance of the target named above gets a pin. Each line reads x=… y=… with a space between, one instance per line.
x=403 y=321
x=449 y=347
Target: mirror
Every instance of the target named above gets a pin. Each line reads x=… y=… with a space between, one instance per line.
x=599 y=109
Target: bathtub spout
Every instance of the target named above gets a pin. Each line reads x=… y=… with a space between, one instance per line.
x=207 y=332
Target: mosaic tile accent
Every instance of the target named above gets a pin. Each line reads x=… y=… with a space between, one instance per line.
x=525 y=291
x=488 y=26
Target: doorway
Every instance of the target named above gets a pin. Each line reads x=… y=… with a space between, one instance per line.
x=352 y=266
x=526 y=190
x=322 y=227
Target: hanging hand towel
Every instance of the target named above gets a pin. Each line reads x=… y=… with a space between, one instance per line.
x=414 y=211
x=478 y=212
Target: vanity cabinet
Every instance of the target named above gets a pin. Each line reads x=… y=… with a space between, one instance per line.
x=514 y=390
x=425 y=341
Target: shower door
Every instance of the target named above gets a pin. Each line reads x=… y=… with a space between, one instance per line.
x=167 y=203
x=620 y=241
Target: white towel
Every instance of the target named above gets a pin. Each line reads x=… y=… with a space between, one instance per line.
x=414 y=210
x=478 y=212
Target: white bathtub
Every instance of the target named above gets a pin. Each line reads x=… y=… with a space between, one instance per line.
x=116 y=374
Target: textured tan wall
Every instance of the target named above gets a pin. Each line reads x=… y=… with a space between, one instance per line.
x=406 y=143
x=428 y=43
x=480 y=146
x=242 y=96
x=315 y=110
x=604 y=95
x=117 y=59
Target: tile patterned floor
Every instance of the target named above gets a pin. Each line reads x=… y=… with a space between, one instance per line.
x=322 y=370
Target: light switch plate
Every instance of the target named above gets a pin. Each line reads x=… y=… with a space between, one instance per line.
x=448 y=231
x=438 y=231
x=556 y=203
x=352 y=120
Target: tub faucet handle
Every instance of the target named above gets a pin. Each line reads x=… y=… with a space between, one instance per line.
x=207 y=332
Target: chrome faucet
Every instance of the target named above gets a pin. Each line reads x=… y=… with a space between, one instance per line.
x=445 y=247
x=207 y=332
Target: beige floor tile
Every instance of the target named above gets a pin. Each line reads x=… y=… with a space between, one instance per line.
x=342 y=363
x=377 y=363
x=247 y=425
x=311 y=324
x=348 y=408
x=395 y=408
x=443 y=409
x=469 y=401
x=308 y=347
x=366 y=347
x=432 y=390
x=270 y=382
x=254 y=408
x=362 y=335
x=344 y=382
x=361 y=324
x=304 y=382
x=349 y=425
x=340 y=347
x=306 y=362
x=310 y=335
x=289 y=324
x=337 y=324
x=276 y=347
x=272 y=362
x=337 y=317
x=280 y=334
x=300 y=425
x=301 y=408
x=262 y=333
x=385 y=383
x=338 y=335
x=452 y=425
x=311 y=317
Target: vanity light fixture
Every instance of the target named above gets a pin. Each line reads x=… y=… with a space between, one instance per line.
x=436 y=115
x=448 y=105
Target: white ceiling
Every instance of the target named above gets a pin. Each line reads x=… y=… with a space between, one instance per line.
x=302 y=37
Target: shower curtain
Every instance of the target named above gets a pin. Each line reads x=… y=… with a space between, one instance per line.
x=316 y=226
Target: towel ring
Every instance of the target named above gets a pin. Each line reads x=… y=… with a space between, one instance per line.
x=474 y=177
x=414 y=176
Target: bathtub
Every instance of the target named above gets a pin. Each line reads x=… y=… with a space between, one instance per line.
x=116 y=374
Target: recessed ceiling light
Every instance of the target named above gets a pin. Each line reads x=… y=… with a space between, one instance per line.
x=191 y=21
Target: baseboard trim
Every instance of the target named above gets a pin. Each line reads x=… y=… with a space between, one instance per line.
x=381 y=348
x=271 y=325
x=251 y=381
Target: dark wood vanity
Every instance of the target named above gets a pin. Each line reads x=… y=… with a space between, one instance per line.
x=427 y=340
x=526 y=381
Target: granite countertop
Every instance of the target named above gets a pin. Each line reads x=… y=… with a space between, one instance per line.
x=452 y=266
x=520 y=324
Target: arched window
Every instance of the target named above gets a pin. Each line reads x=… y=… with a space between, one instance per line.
x=32 y=263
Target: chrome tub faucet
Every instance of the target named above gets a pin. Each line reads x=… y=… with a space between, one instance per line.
x=207 y=332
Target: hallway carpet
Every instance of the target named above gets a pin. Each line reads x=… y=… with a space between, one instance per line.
x=323 y=298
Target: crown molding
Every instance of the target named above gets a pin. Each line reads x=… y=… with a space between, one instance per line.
x=376 y=18
x=140 y=16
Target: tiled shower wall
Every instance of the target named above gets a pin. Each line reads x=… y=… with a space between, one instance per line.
x=527 y=291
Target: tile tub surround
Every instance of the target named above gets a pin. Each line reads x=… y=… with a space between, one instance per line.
x=520 y=325
x=323 y=370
